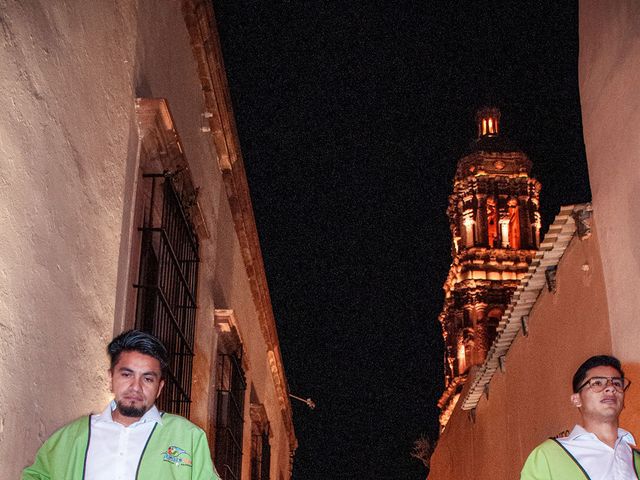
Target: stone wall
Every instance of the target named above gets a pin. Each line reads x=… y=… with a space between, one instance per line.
x=65 y=139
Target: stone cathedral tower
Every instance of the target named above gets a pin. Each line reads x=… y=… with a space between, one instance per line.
x=495 y=225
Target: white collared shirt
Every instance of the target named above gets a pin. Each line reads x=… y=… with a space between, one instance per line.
x=115 y=450
x=599 y=460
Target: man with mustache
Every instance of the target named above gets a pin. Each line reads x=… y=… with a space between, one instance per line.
x=597 y=449
x=130 y=439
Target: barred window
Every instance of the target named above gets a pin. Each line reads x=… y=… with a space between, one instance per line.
x=167 y=284
x=260 y=453
x=231 y=386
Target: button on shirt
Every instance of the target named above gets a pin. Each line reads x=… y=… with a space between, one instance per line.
x=598 y=459
x=115 y=450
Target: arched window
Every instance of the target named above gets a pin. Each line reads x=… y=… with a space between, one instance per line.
x=492 y=222
x=514 y=224
x=537 y=225
x=468 y=224
x=461 y=354
x=260 y=447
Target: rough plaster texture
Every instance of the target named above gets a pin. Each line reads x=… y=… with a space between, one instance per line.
x=63 y=138
x=530 y=400
x=69 y=167
x=610 y=98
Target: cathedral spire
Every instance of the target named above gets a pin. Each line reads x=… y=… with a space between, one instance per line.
x=495 y=225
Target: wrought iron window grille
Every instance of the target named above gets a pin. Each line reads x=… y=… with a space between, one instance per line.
x=260 y=455
x=231 y=388
x=167 y=285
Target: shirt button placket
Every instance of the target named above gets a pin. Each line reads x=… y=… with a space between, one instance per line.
x=122 y=448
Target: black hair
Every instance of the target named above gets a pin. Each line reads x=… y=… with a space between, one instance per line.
x=593 y=362
x=137 y=341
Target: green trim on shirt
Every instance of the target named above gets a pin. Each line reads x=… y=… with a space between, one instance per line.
x=552 y=461
x=176 y=450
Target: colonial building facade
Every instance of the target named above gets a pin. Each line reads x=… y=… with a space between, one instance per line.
x=124 y=204
x=495 y=226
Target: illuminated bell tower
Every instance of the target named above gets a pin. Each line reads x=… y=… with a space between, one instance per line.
x=495 y=225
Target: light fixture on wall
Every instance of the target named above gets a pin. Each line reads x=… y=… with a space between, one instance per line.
x=310 y=403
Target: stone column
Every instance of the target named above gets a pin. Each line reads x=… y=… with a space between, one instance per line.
x=481 y=219
x=482 y=340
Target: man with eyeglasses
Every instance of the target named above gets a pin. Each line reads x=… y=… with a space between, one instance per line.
x=597 y=449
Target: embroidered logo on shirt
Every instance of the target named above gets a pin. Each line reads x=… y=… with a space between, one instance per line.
x=177 y=456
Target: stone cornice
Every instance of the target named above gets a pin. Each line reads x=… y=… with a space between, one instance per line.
x=200 y=20
x=493 y=163
x=162 y=153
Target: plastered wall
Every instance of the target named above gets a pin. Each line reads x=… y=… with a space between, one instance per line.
x=63 y=142
x=69 y=163
x=529 y=401
x=610 y=99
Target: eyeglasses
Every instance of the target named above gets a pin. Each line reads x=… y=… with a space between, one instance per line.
x=598 y=384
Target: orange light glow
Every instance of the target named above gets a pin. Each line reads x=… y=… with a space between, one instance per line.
x=488 y=120
x=492 y=223
x=468 y=223
x=514 y=225
x=461 y=355
x=504 y=232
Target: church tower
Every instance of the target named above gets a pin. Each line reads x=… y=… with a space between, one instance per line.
x=495 y=225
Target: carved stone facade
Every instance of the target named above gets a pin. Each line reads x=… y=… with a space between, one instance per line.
x=495 y=225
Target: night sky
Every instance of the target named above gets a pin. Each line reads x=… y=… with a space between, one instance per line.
x=351 y=117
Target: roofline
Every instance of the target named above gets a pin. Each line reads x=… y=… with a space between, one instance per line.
x=525 y=297
x=201 y=24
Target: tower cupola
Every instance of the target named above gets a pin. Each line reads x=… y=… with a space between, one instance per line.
x=488 y=121
x=495 y=227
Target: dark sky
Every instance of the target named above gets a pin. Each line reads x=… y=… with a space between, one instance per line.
x=351 y=117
